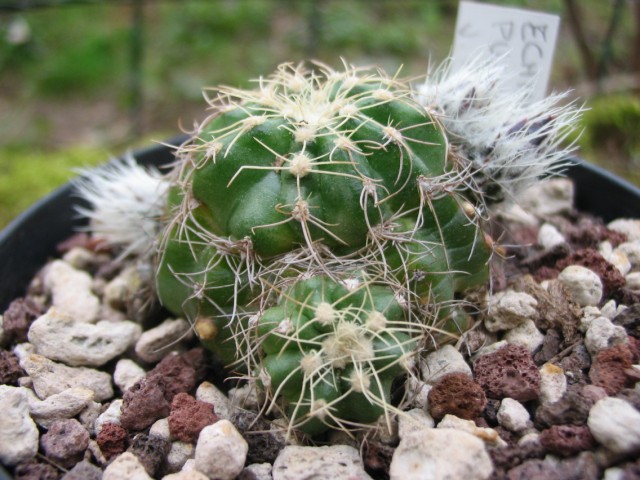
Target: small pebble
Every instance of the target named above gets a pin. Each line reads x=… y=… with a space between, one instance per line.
x=553 y=383
x=631 y=250
x=525 y=334
x=549 y=236
x=412 y=420
x=209 y=393
x=221 y=451
x=178 y=455
x=583 y=284
x=441 y=362
x=71 y=292
x=111 y=415
x=417 y=392
x=65 y=442
x=319 y=463
x=126 y=465
x=615 y=424
x=190 y=475
x=63 y=405
x=630 y=227
x=603 y=333
x=59 y=337
x=487 y=435
x=633 y=281
x=257 y=471
x=127 y=373
x=439 y=454
x=83 y=471
x=16 y=425
x=509 y=309
x=512 y=415
x=548 y=198
x=154 y=344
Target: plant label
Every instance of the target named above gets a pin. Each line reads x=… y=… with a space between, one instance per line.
x=525 y=40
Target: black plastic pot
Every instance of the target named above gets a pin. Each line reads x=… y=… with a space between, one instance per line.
x=31 y=239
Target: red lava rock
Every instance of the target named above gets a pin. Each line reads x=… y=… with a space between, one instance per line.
x=112 y=440
x=189 y=416
x=10 y=370
x=34 y=470
x=567 y=440
x=65 y=442
x=582 y=467
x=150 y=398
x=151 y=451
x=144 y=403
x=609 y=369
x=17 y=319
x=612 y=279
x=456 y=394
x=589 y=233
x=508 y=372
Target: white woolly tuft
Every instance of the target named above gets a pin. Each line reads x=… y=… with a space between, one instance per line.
x=509 y=140
x=126 y=203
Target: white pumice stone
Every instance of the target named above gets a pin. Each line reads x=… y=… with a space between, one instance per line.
x=50 y=378
x=509 y=309
x=417 y=392
x=487 y=435
x=19 y=435
x=549 y=236
x=123 y=287
x=222 y=406
x=321 y=463
x=221 y=451
x=127 y=373
x=112 y=414
x=493 y=347
x=190 y=466
x=553 y=383
x=609 y=310
x=441 y=362
x=248 y=396
x=615 y=424
x=186 y=475
x=526 y=334
x=603 y=333
x=412 y=420
x=63 y=405
x=58 y=337
x=178 y=455
x=620 y=260
x=440 y=454
x=512 y=415
x=160 y=429
x=583 y=284
x=154 y=344
x=633 y=281
x=632 y=251
x=257 y=471
x=529 y=438
x=79 y=258
x=126 y=465
x=548 y=198
x=89 y=415
x=513 y=213
x=71 y=291
x=630 y=227
x=613 y=473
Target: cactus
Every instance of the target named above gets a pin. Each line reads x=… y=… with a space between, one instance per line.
x=319 y=228
x=297 y=186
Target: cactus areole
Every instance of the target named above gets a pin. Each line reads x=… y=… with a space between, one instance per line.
x=316 y=173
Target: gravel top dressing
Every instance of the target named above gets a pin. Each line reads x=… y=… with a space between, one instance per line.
x=543 y=385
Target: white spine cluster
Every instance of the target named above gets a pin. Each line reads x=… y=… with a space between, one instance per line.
x=509 y=140
x=125 y=204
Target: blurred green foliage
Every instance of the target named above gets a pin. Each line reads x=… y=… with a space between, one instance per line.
x=56 y=61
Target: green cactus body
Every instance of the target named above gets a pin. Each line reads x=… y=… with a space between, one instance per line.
x=333 y=353
x=325 y=175
x=345 y=165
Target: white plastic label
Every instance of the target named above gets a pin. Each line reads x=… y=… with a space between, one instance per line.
x=525 y=40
